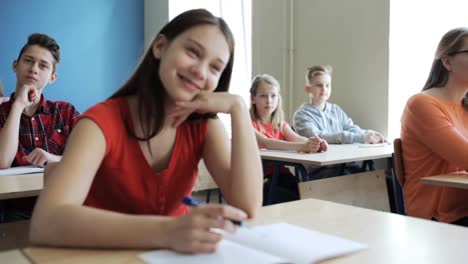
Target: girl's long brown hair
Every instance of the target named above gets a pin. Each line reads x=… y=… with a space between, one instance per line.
x=146 y=83
x=450 y=43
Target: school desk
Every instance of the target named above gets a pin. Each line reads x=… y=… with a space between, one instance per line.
x=22 y=185
x=455 y=179
x=392 y=238
x=13 y=257
x=336 y=154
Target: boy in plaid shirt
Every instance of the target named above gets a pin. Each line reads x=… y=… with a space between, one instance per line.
x=33 y=130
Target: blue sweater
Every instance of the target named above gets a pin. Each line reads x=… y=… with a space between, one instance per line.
x=331 y=124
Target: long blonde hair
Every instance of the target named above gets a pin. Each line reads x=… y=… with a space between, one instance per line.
x=277 y=117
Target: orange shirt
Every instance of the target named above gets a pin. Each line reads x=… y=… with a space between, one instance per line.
x=125 y=182
x=434 y=134
x=270 y=133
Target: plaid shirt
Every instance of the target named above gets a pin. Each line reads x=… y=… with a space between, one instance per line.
x=47 y=129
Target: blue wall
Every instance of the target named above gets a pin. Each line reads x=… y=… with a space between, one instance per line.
x=101 y=42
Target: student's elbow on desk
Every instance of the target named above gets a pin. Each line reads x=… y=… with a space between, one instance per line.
x=4 y=164
x=48 y=226
x=249 y=206
x=38 y=230
x=253 y=211
x=44 y=224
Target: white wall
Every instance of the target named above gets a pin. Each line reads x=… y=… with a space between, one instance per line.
x=270 y=43
x=156 y=16
x=353 y=36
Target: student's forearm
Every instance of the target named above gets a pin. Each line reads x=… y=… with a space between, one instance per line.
x=81 y=226
x=9 y=137
x=343 y=137
x=281 y=144
x=246 y=167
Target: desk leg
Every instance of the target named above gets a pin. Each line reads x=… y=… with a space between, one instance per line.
x=368 y=163
x=299 y=171
x=2 y=211
x=274 y=183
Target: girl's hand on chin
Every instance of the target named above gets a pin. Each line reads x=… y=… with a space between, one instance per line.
x=219 y=102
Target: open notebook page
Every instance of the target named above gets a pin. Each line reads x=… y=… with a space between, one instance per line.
x=295 y=243
x=228 y=253
x=277 y=243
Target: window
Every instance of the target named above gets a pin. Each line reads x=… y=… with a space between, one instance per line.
x=415 y=30
x=237 y=14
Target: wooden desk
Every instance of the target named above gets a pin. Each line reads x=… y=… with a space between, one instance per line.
x=13 y=256
x=455 y=179
x=23 y=185
x=392 y=238
x=336 y=154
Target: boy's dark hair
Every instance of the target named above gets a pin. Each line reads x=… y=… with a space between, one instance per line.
x=43 y=41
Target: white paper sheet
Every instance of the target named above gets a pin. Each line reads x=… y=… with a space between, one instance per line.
x=277 y=243
x=21 y=170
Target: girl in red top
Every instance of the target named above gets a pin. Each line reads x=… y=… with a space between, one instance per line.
x=131 y=159
x=273 y=132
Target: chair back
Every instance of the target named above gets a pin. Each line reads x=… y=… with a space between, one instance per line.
x=399 y=167
x=398 y=175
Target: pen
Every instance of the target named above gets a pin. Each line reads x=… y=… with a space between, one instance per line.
x=194 y=202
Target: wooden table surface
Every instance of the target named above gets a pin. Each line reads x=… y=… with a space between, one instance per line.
x=391 y=238
x=455 y=179
x=336 y=154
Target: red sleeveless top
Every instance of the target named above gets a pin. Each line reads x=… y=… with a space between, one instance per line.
x=125 y=182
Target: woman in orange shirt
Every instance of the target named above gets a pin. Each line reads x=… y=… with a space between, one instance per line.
x=434 y=134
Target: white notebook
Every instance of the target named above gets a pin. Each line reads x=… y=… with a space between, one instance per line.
x=21 y=170
x=276 y=243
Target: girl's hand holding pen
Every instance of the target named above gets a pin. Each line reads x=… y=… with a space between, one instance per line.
x=193 y=233
x=323 y=145
x=311 y=145
x=315 y=144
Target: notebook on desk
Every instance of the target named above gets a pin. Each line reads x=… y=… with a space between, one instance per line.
x=21 y=170
x=276 y=243
x=368 y=145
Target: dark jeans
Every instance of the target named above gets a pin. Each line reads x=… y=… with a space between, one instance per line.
x=286 y=191
x=17 y=209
